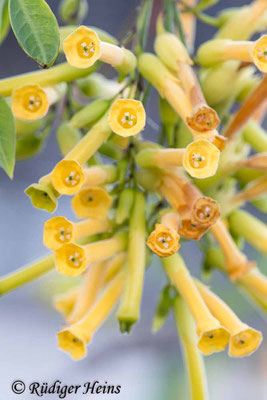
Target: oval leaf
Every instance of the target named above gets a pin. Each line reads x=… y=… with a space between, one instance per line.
x=7 y=138
x=36 y=29
x=4 y=19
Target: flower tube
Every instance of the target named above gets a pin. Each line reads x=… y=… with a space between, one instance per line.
x=192 y=357
x=255 y=281
x=64 y=303
x=160 y=158
x=29 y=102
x=236 y=263
x=87 y=293
x=164 y=240
x=212 y=337
x=129 y=310
x=91 y=202
x=174 y=55
x=83 y=48
x=252 y=191
x=74 y=338
x=59 y=230
x=219 y=50
x=127 y=117
x=244 y=340
x=252 y=229
x=72 y=260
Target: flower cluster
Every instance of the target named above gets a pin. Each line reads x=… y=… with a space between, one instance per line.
x=135 y=198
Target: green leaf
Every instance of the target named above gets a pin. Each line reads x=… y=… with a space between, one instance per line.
x=36 y=29
x=4 y=20
x=7 y=138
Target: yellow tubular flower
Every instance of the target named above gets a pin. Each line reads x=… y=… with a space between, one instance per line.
x=29 y=102
x=212 y=336
x=88 y=291
x=206 y=212
x=236 y=263
x=219 y=50
x=163 y=241
x=67 y=177
x=64 y=303
x=127 y=117
x=244 y=340
x=201 y=159
x=59 y=230
x=75 y=338
x=83 y=48
x=72 y=260
x=91 y=202
x=191 y=231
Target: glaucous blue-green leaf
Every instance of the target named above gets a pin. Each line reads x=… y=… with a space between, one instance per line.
x=7 y=138
x=36 y=29
x=4 y=20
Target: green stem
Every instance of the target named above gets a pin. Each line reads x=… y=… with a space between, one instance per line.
x=26 y=274
x=48 y=77
x=192 y=358
x=89 y=114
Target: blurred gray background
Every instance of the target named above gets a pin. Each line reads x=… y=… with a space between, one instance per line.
x=146 y=366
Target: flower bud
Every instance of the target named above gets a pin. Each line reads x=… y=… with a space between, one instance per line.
x=201 y=159
x=171 y=51
x=127 y=117
x=29 y=102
